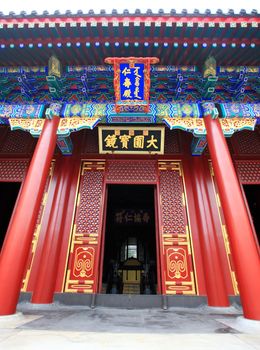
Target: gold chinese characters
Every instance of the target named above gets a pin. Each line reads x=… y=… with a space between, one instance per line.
x=132 y=139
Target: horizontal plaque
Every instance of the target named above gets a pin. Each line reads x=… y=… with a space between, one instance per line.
x=138 y=140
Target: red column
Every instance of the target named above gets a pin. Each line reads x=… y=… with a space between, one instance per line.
x=47 y=272
x=20 y=232
x=214 y=278
x=243 y=245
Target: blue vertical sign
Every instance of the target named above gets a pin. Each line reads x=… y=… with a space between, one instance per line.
x=132 y=81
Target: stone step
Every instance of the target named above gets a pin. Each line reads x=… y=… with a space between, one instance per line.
x=131 y=289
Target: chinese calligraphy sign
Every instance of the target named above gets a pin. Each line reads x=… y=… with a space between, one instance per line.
x=132 y=216
x=131 y=140
x=132 y=82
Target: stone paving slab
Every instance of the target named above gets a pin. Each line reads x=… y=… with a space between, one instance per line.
x=71 y=327
x=128 y=321
x=42 y=340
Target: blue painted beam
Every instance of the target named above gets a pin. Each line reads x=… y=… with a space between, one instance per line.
x=198 y=145
x=65 y=145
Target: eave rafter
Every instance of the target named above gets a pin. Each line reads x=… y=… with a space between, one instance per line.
x=174 y=38
x=185 y=40
x=129 y=20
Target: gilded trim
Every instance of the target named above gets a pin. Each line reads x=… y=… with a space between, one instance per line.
x=189 y=234
x=224 y=233
x=129 y=128
x=72 y=228
x=180 y=240
x=38 y=230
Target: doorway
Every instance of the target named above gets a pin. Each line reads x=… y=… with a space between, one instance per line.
x=8 y=195
x=129 y=264
x=252 y=193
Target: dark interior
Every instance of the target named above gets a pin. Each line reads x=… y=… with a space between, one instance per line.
x=252 y=193
x=130 y=241
x=8 y=195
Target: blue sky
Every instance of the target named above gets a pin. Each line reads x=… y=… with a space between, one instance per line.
x=51 y=5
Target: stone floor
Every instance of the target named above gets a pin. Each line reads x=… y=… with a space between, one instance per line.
x=71 y=327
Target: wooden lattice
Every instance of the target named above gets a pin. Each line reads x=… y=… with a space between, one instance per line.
x=13 y=170
x=17 y=142
x=134 y=171
x=85 y=244
x=177 y=274
x=37 y=231
x=172 y=142
x=246 y=142
x=248 y=171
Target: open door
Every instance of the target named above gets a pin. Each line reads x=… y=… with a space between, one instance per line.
x=8 y=195
x=130 y=254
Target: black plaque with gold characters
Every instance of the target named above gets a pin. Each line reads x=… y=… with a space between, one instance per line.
x=138 y=140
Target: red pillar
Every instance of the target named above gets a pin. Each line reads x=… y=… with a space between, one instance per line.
x=47 y=272
x=243 y=245
x=20 y=232
x=214 y=278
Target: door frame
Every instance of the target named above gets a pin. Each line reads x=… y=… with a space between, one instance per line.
x=156 y=230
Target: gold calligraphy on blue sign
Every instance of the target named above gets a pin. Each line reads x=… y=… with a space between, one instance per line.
x=132 y=81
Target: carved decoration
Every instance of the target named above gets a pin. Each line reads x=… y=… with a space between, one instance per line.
x=54 y=67
x=90 y=141
x=246 y=142
x=177 y=110
x=194 y=125
x=86 y=110
x=175 y=237
x=210 y=67
x=198 y=145
x=107 y=110
x=13 y=170
x=209 y=108
x=178 y=275
x=197 y=127
x=84 y=262
x=68 y=125
x=34 y=126
x=240 y=110
x=22 y=111
x=65 y=145
x=53 y=110
x=85 y=241
x=248 y=171
x=134 y=171
x=16 y=142
x=231 y=125
x=172 y=142
x=177 y=266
